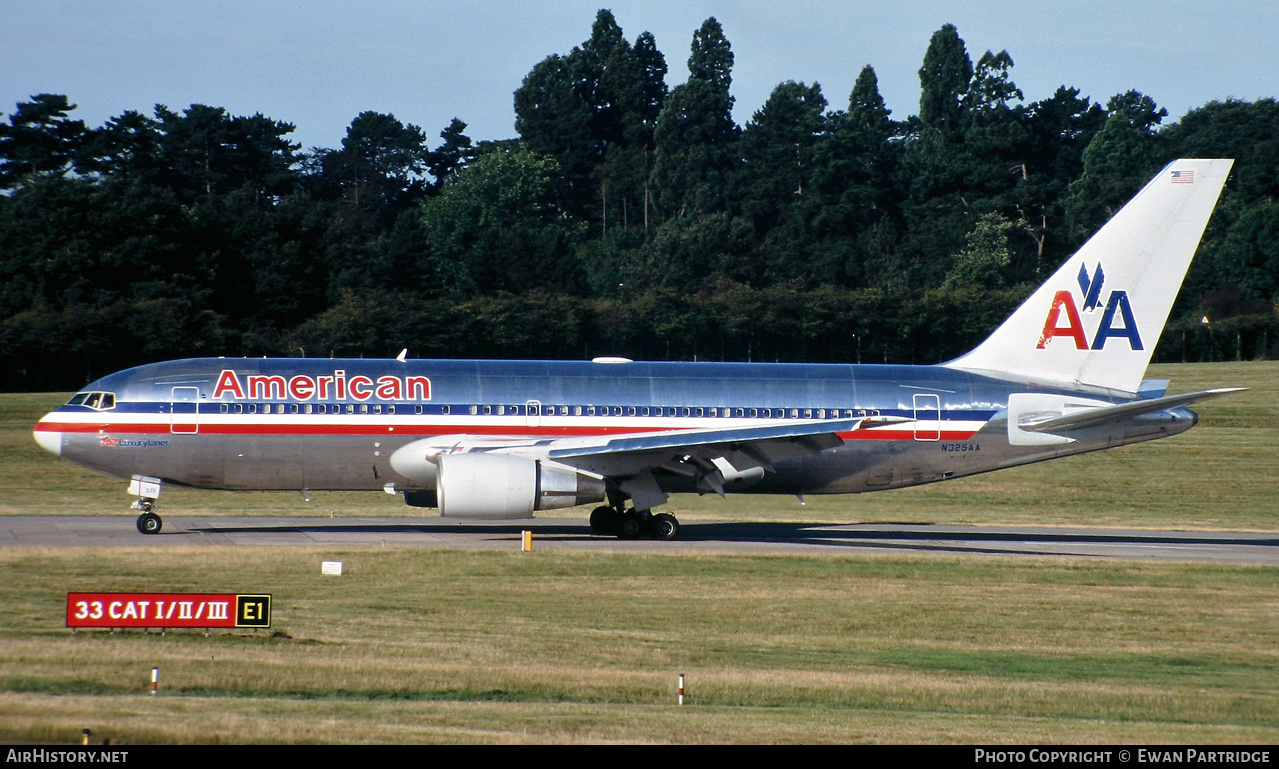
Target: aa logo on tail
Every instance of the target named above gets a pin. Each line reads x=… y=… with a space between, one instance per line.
x=1116 y=319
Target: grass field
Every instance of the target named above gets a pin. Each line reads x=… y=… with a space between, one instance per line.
x=434 y=645
x=425 y=645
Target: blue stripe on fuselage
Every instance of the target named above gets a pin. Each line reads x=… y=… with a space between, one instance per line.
x=462 y=383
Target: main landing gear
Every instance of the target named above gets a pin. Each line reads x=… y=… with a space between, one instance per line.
x=632 y=524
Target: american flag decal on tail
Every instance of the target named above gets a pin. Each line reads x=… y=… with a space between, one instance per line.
x=1183 y=177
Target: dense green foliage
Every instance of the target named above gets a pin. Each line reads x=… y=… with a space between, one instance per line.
x=627 y=218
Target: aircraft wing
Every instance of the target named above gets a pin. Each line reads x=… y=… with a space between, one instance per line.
x=1079 y=420
x=709 y=458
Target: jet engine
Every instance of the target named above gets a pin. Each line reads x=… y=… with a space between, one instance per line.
x=502 y=486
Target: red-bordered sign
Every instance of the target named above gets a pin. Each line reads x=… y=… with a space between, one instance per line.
x=202 y=610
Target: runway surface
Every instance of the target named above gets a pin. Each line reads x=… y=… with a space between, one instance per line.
x=573 y=534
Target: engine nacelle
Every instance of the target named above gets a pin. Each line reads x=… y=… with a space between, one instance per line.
x=504 y=486
x=417 y=461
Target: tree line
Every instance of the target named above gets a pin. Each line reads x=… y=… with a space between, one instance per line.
x=625 y=218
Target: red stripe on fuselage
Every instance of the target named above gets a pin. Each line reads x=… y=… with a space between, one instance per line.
x=549 y=431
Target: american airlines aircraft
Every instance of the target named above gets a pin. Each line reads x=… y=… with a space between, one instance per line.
x=505 y=439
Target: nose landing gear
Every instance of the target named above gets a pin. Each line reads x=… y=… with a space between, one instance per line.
x=148 y=491
x=148 y=522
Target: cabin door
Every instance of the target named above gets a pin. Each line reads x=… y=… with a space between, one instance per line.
x=184 y=411
x=927 y=417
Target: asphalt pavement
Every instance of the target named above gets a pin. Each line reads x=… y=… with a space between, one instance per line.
x=717 y=537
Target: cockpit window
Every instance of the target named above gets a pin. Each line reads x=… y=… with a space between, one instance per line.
x=98 y=401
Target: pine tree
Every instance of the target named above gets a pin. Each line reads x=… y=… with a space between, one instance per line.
x=39 y=140
x=944 y=80
x=695 y=130
x=457 y=151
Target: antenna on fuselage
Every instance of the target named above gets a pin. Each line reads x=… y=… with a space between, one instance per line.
x=403 y=356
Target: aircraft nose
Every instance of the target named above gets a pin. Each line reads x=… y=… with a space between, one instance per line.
x=49 y=439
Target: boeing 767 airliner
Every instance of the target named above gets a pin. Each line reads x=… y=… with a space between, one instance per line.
x=487 y=439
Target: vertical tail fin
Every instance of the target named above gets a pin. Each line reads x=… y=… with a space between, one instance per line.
x=1095 y=322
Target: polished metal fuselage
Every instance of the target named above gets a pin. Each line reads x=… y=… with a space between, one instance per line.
x=319 y=424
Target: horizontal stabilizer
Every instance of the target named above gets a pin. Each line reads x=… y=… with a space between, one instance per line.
x=1080 y=420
